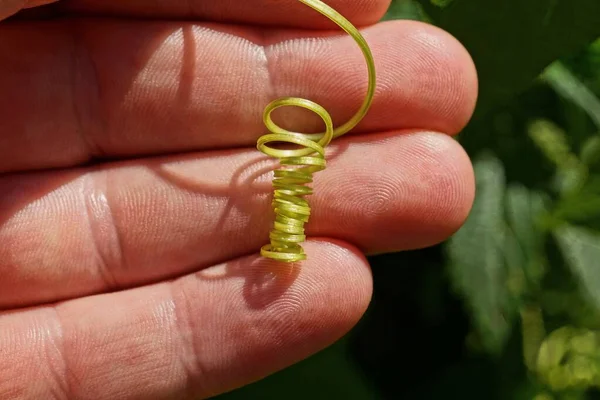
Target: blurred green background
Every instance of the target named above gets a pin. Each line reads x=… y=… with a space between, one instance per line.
x=508 y=308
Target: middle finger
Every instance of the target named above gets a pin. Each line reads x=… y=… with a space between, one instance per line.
x=85 y=231
x=93 y=89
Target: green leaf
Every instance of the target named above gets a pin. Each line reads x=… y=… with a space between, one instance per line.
x=554 y=143
x=567 y=360
x=533 y=332
x=406 y=9
x=578 y=208
x=569 y=86
x=512 y=41
x=581 y=250
x=524 y=252
x=477 y=267
x=590 y=151
x=441 y=3
x=523 y=210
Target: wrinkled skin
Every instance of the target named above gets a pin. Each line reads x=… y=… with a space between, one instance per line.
x=134 y=201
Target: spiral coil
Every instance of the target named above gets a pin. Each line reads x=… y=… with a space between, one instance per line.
x=292 y=210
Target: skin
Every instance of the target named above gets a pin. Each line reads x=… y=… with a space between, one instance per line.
x=134 y=202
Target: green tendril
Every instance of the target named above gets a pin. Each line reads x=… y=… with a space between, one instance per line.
x=292 y=211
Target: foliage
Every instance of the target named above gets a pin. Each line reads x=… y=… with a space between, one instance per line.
x=511 y=41
x=476 y=256
x=509 y=308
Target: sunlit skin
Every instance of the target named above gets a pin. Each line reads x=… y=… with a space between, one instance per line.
x=135 y=203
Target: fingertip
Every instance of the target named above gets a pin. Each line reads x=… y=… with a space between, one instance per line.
x=367 y=12
x=418 y=194
x=325 y=295
x=443 y=80
x=285 y=312
x=445 y=190
x=460 y=80
x=345 y=270
x=455 y=188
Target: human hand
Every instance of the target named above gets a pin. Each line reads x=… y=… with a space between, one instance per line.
x=134 y=201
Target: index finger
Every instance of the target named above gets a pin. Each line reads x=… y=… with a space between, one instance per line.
x=263 y=12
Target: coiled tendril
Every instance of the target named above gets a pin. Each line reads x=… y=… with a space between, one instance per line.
x=292 y=210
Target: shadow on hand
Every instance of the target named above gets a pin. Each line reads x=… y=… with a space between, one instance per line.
x=265 y=280
x=247 y=192
x=248 y=187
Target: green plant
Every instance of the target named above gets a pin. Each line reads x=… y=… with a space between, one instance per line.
x=528 y=256
x=526 y=265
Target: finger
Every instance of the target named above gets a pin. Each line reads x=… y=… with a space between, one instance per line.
x=264 y=12
x=137 y=89
x=11 y=7
x=74 y=233
x=192 y=338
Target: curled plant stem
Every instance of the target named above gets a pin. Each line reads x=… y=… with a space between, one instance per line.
x=292 y=210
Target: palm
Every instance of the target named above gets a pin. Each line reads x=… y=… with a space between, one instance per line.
x=132 y=192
